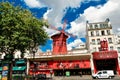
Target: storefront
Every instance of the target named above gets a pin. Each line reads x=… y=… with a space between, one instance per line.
x=60 y=66
x=106 y=60
x=19 y=69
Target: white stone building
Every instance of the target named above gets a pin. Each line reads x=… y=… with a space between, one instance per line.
x=95 y=32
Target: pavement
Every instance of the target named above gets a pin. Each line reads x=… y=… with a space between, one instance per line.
x=84 y=77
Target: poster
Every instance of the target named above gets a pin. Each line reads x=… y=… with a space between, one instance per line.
x=5 y=72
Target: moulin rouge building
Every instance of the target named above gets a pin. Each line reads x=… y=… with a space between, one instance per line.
x=99 y=53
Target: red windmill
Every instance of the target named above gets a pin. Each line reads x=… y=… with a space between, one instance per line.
x=59 y=41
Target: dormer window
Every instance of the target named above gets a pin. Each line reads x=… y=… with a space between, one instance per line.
x=96 y=26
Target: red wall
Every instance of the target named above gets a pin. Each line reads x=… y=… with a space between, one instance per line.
x=45 y=67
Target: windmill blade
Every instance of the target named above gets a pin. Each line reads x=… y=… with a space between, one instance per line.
x=50 y=26
x=74 y=36
x=64 y=24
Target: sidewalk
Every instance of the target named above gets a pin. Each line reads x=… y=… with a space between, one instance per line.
x=84 y=77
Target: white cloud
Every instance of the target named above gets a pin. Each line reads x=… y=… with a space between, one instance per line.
x=34 y=3
x=97 y=14
x=58 y=8
x=92 y=14
x=45 y=16
x=110 y=10
x=77 y=29
x=75 y=43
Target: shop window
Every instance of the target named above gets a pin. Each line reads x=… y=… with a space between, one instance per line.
x=110 y=40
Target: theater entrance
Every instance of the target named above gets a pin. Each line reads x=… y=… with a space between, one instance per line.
x=106 y=64
x=72 y=72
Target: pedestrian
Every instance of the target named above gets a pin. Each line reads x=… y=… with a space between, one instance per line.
x=51 y=73
x=80 y=73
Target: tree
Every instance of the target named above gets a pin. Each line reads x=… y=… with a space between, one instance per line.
x=19 y=29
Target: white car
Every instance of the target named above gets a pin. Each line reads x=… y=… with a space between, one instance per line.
x=104 y=74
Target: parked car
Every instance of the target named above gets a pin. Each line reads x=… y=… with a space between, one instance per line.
x=104 y=74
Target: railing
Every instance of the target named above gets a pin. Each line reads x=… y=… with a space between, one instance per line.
x=68 y=54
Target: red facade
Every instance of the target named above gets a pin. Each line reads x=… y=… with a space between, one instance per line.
x=104 y=45
x=45 y=67
x=105 y=59
x=105 y=55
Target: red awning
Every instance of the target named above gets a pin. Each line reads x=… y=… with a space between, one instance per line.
x=105 y=55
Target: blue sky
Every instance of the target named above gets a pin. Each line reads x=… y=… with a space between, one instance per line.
x=76 y=12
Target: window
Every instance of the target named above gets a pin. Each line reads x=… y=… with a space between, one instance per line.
x=105 y=25
x=92 y=34
x=93 y=41
x=118 y=41
x=98 y=41
x=108 y=32
x=100 y=73
x=110 y=40
x=91 y=27
x=104 y=72
x=96 y=26
x=118 y=48
x=94 y=49
x=111 y=47
x=101 y=26
x=99 y=48
x=97 y=33
x=102 y=32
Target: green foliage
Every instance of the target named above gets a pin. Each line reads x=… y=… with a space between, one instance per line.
x=19 y=29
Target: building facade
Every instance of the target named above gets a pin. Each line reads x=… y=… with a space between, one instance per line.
x=102 y=31
x=95 y=32
x=82 y=60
